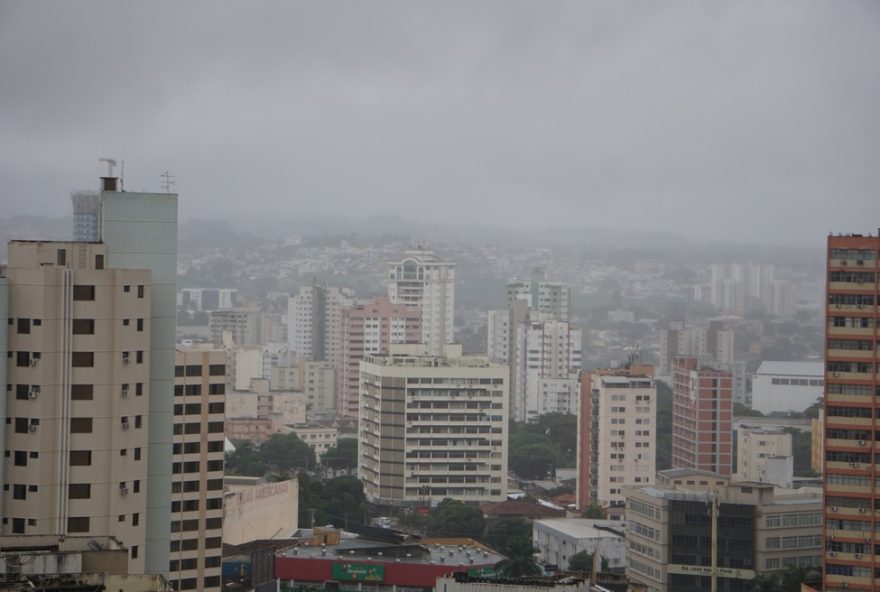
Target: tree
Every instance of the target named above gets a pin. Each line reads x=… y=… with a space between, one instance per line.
x=245 y=460
x=342 y=456
x=340 y=501
x=502 y=530
x=595 y=511
x=740 y=410
x=452 y=518
x=534 y=461
x=284 y=452
x=583 y=561
x=520 y=559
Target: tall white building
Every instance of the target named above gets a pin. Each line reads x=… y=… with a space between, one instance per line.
x=314 y=322
x=547 y=366
x=432 y=427
x=542 y=295
x=498 y=343
x=424 y=281
x=616 y=435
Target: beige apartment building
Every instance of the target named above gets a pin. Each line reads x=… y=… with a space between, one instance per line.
x=764 y=455
x=319 y=438
x=616 y=435
x=197 y=481
x=760 y=529
x=432 y=427
x=75 y=439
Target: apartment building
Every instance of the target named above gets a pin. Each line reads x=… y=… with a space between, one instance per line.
x=319 y=386
x=702 y=412
x=207 y=299
x=548 y=365
x=314 y=321
x=319 y=438
x=78 y=387
x=760 y=529
x=197 y=485
x=423 y=281
x=851 y=411
x=369 y=329
x=549 y=297
x=237 y=327
x=764 y=455
x=432 y=427
x=616 y=435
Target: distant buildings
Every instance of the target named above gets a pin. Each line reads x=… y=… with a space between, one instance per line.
x=423 y=281
x=738 y=288
x=239 y=327
x=851 y=422
x=702 y=411
x=557 y=539
x=541 y=295
x=432 y=427
x=314 y=319
x=207 y=299
x=787 y=386
x=616 y=435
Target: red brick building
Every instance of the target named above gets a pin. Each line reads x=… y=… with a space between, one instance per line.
x=702 y=414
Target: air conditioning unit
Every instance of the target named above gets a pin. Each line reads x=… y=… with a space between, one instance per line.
x=860 y=261
x=123 y=490
x=858 y=555
x=861 y=306
x=835 y=374
x=125 y=425
x=33 y=392
x=124 y=391
x=863 y=510
x=832 y=554
x=833 y=508
x=34 y=361
x=853 y=464
x=862 y=443
x=32 y=427
x=843 y=261
x=126 y=357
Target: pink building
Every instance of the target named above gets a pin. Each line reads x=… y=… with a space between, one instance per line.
x=702 y=414
x=368 y=329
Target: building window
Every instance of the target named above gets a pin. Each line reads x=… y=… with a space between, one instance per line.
x=84 y=292
x=19 y=492
x=78 y=524
x=134 y=551
x=83 y=359
x=22 y=359
x=140 y=291
x=139 y=357
x=22 y=391
x=61 y=257
x=21 y=425
x=21 y=458
x=24 y=326
x=137 y=453
x=82 y=392
x=126 y=288
x=80 y=425
x=79 y=491
x=140 y=324
x=217 y=370
x=194 y=370
x=135 y=519
x=80 y=458
x=18 y=526
x=83 y=326
x=138 y=389
x=138 y=421
x=99 y=262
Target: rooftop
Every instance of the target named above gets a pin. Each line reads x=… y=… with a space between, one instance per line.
x=811 y=369
x=430 y=551
x=584 y=528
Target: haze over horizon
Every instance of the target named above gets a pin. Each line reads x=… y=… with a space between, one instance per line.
x=735 y=122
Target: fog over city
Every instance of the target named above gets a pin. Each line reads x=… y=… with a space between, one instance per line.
x=731 y=121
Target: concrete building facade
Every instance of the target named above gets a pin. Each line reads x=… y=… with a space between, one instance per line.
x=197 y=486
x=616 y=435
x=314 y=321
x=557 y=539
x=702 y=412
x=787 y=386
x=423 y=281
x=432 y=427
x=764 y=456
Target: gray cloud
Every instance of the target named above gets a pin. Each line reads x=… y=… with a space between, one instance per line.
x=742 y=121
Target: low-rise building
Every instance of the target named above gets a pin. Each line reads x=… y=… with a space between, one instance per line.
x=261 y=511
x=462 y=582
x=764 y=456
x=787 y=386
x=760 y=529
x=319 y=438
x=557 y=539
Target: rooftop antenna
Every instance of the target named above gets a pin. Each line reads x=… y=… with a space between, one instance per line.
x=122 y=177
x=110 y=164
x=167 y=181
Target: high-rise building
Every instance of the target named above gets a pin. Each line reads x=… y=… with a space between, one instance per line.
x=424 y=281
x=432 y=427
x=239 y=327
x=370 y=329
x=314 y=322
x=102 y=316
x=197 y=486
x=714 y=342
x=852 y=392
x=616 y=435
x=702 y=415
x=542 y=295
x=77 y=407
x=547 y=366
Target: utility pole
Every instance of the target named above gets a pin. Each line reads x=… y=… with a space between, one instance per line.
x=713 y=499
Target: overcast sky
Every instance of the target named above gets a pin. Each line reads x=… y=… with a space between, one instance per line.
x=741 y=121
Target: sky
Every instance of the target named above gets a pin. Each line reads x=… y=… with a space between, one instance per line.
x=738 y=121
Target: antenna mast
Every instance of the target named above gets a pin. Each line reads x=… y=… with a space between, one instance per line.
x=167 y=181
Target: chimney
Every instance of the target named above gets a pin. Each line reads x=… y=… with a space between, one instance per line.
x=109 y=183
